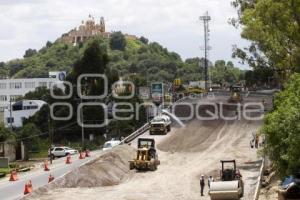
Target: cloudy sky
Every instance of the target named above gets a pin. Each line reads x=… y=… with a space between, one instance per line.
x=173 y=23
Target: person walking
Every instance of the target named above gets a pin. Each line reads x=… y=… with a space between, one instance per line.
x=202 y=184
x=210 y=179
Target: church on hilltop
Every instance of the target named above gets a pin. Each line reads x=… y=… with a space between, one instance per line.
x=86 y=30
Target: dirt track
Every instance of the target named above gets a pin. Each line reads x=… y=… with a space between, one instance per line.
x=177 y=176
x=185 y=154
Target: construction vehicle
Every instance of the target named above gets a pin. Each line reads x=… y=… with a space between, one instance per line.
x=146 y=156
x=235 y=94
x=230 y=184
x=160 y=124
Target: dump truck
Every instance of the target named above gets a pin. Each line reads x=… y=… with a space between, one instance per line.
x=146 y=156
x=230 y=184
x=235 y=94
x=160 y=125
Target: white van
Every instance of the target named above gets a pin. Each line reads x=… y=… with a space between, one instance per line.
x=110 y=144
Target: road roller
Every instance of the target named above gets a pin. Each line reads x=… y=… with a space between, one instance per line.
x=229 y=185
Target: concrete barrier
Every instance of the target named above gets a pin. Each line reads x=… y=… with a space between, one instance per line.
x=258 y=186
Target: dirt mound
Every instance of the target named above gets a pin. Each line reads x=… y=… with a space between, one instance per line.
x=109 y=169
x=195 y=137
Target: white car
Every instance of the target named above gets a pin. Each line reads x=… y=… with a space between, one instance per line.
x=110 y=144
x=61 y=151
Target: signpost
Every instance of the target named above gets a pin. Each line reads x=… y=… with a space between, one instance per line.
x=144 y=93
x=157 y=93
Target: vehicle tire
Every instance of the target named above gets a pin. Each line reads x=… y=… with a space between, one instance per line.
x=67 y=154
x=169 y=128
x=131 y=166
x=152 y=166
x=52 y=156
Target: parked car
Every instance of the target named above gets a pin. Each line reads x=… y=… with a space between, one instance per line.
x=110 y=144
x=61 y=151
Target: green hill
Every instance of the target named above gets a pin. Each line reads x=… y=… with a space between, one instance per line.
x=129 y=56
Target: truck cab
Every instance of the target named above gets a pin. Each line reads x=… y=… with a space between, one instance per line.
x=160 y=125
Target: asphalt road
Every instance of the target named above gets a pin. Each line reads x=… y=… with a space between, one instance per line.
x=10 y=190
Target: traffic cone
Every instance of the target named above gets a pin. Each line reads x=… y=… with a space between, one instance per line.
x=51 y=178
x=46 y=168
x=28 y=188
x=81 y=156
x=68 y=160
x=87 y=153
x=13 y=176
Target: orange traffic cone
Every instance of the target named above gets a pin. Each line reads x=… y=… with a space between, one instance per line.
x=13 y=176
x=87 y=153
x=81 y=156
x=51 y=178
x=46 y=168
x=68 y=160
x=28 y=188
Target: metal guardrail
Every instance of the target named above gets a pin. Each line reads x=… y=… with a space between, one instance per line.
x=144 y=128
x=136 y=133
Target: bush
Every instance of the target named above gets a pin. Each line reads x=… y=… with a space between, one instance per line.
x=281 y=129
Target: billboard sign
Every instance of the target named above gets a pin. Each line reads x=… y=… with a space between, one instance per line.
x=157 y=92
x=144 y=93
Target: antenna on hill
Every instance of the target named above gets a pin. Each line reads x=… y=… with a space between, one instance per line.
x=206 y=18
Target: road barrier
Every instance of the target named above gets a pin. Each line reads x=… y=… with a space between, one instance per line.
x=51 y=178
x=81 y=155
x=136 y=133
x=13 y=176
x=259 y=179
x=87 y=153
x=28 y=188
x=68 y=159
x=46 y=166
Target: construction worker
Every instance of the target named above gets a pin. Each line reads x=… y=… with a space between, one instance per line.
x=202 y=184
x=210 y=179
x=256 y=140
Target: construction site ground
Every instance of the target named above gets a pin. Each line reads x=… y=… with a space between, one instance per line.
x=185 y=154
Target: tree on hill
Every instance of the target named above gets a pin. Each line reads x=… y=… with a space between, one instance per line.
x=144 y=40
x=117 y=41
x=29 y=53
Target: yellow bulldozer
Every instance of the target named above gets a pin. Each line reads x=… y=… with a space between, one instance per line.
x=146 y=156
x=230 y=184
x=235 y=94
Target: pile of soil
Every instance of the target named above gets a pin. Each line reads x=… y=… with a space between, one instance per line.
x=195 y=139
x=109 y=169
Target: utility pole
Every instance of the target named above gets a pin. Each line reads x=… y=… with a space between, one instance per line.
x=10 y=114
x=206 y=18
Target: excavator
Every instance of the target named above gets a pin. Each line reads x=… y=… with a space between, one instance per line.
x=146 y=156
x=230 y=184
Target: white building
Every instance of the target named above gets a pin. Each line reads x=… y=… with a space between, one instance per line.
x=12 y=89
x=20 y=111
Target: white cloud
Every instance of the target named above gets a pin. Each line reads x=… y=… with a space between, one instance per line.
x=173 y=23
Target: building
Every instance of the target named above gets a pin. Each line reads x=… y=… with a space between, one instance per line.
x=20 y=111
x=12 y=89
x=86 y=30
